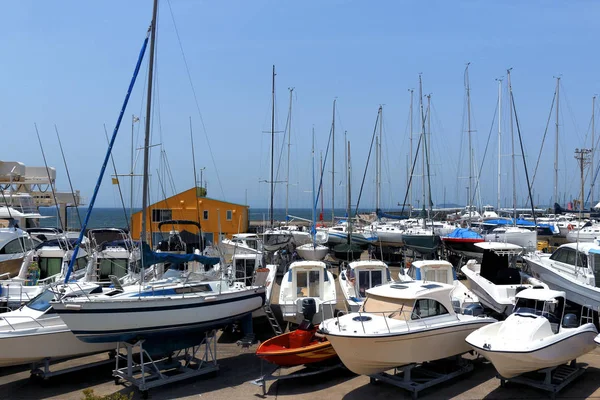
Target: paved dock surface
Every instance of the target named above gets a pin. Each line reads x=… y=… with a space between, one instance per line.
x=240 y=366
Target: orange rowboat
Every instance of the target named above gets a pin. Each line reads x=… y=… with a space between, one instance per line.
x=298 y=347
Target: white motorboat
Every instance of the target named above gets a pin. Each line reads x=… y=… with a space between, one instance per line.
x=299 y=235
x=275 y=239
x=241 y=243
x=569 y=222
x=587 y=233
x=538 y=334
x=45 y=265
x=113 y=253
x=306 y=279
x=33 y=332
x=523 y=237
x=15 y=243
x=312 y=252
x=358 y=277
x=496 y=280
x=400 y=324
x=442 y=272
x=573 y=268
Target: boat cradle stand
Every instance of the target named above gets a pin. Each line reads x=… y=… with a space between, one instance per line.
x=417 y=377
x=552 y=379
x=41 y=369
x=183 y=364
x=275 y=374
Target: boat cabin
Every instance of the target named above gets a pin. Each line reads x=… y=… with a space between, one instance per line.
x=363 y=275
x=498 y=263
x=307 y=279
x=244 y=265
x=582 y=260
x=546 y=303
x=408 y=301
x=432 y=271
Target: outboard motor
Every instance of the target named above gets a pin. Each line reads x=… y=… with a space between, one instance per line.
x=309 y=309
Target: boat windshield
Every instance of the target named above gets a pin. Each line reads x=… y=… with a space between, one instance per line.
x=550 y=310
x=42 y=301
x=392 y=307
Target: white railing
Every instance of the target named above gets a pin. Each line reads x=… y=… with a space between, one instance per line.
x=21 y=317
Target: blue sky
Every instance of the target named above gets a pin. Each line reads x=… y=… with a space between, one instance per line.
x=69 y=63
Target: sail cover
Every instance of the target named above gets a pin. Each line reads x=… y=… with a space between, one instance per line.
x=151 y=257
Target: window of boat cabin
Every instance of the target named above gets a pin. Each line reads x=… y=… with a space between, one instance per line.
x=159 y=215
x=392 y=307
x=570 y=256
x=112 y=266
x=595 y=261
x=368 y=279
x=552 y=310
x=228 y=215
x=425 y=308
x=307 y=283
x=19 y=245
x=49 y=266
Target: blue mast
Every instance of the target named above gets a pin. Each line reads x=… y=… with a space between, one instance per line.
x=107 y=157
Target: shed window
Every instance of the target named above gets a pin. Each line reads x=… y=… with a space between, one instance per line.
x=205 y=215
x=229 y=215
x=159 y=215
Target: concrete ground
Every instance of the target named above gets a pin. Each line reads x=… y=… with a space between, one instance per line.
x=240 y=366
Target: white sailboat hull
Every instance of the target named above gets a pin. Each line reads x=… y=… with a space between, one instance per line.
x=312 y=253
x=519 y=236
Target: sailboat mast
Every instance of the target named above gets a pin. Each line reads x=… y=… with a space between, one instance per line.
x=346 y=162
x=378 y=163
x=556 y=143
x=512 y=139
x=287 y=179
x=593 y=149
x=314 y=208
x=143 y=237
x=272 y=147
x=499 y=141
x=410 y=136
x=321 y=194
x=333 y=165
x=468 y=88
x=349 y=174
x=428 y=147
x=423 y=139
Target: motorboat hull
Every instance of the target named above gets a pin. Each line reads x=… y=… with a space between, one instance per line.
x=291 y=349
x=520 y=236
x=156 y=318
x=347 y=252
x=545 y=354
x=368 y=355
x=40 y=343
x=577 y=292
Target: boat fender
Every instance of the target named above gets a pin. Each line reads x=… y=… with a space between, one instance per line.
x=570 y=227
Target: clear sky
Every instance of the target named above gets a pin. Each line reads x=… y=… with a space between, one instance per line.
x=69 y=63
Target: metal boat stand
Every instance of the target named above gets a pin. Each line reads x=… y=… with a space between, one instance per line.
x=274 y=375
x=41 y=369
x=183 y=364
x=552 y=379
x=417 y=377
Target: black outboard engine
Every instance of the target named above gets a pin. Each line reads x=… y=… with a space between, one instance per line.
x=309 y=309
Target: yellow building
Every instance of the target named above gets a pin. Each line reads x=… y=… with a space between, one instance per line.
x=214 y=216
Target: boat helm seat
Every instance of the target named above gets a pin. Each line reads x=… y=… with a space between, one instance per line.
x=570 y=321
x=309 y=309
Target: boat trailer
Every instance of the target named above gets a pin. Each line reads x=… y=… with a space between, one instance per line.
x=552 y=379
x=41 y=369
x=275 y=374
x=418 y=377
x=185 y=363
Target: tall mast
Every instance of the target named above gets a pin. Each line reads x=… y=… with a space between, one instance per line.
x=428 y=146
x=556 y=143
x=272 y=146
x=378 y=163
x=499 y=140
x=287 y=179
x=333 y=165
x=410 y=136
x=348 y=210
x=346 y=162
x=423 y=139
x=468 y=87
x=593 y=149
x=321 y=194
x=512 y=139
x=148 y=122
x=133 y=121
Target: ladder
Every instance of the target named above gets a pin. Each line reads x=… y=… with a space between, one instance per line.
x=272 y=320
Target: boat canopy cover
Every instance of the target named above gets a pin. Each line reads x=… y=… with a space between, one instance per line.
x=151 y=257
x=381 y=214
x=594 y=250
x=464 y=233
x=520 y=222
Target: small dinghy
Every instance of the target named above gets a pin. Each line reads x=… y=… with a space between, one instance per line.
x=299 y=347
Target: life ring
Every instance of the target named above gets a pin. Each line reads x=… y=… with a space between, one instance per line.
x=570 y=227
